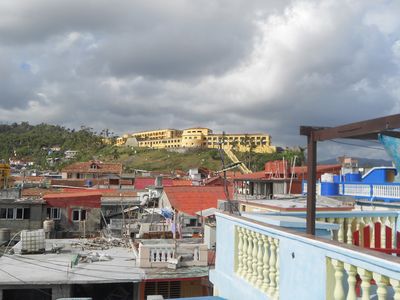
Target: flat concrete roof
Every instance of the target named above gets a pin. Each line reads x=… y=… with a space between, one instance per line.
x=52 y=268
x=298 y=203
x=288 y=221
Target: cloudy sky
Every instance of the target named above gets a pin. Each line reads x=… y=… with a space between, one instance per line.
x=233 y=65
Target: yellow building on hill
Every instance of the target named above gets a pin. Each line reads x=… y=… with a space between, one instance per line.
x=5 y=171
x=200 y=137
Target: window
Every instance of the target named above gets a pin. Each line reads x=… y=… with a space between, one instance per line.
x=78 y=215
x=3 y=213
x=53 y=213
x=83 y=214
x=18 y=213
x=10 y=213
x=27 y=213
x=168 y=289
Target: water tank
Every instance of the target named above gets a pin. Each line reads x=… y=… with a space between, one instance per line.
x=327 y=177
x=353 y=177
x=338 y=178
x=48 y=225
x=32 y=241
x=329 y=188
x=5 y=234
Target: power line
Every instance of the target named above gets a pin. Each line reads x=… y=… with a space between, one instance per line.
x=63 y=271
x=24 y=282
x=54 y=263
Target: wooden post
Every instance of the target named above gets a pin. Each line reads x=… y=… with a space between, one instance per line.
x=311 y=182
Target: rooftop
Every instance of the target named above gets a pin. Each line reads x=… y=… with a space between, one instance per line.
x=94 y=167
x=191 y=199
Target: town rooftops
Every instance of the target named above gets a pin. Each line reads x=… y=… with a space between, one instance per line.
x=191 y=199
x=94 y=167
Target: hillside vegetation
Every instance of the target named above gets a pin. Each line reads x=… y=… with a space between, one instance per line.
x=34 y=142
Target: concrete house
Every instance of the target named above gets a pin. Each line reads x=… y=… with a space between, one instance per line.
x=75 y=213
x=92 y=170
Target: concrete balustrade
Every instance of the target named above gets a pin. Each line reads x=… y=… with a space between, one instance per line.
x=160 y=254
x=384 y=286
x=255 y=260
x=356 y=222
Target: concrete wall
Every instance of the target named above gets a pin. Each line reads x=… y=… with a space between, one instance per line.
x=303 y=271
x=91 y=226
x=37 y=215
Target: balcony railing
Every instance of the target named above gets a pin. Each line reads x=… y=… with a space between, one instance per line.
x=160 y=254
x=384 y=191
x=371 y=229
x=259 y=261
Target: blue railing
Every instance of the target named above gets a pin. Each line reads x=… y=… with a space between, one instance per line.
x=388 y=192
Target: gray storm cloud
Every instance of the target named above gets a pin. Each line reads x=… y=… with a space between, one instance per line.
x=229 y=65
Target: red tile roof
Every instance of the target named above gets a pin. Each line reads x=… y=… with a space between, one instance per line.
x=101 y=168
x=38 y=192
x=71 y=195
x=191 y=199
x=142 y=183
x=181 y=182
x=81 y=198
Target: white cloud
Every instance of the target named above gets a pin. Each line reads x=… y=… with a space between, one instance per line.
x=230 y=65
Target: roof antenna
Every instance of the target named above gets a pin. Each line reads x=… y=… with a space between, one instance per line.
x=232 y=208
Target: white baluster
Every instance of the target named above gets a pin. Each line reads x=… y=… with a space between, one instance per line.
x=249 y=256
x=333 y=232
x=383 y=232
x=239 y=266
x=272 y=267
x=351 y=280
x=360 y=229
x=265 y=284
x=340 y=221
x=244 y=257
x=396 y=288
x=382 y=283
x=349 y=235
x=392 y=222
x=373 y=220
x=163 y=255
x=259 y=261
x=338 y=293
x=366 y=277
x=276 y=241
x=253 y=278
x=159 y=254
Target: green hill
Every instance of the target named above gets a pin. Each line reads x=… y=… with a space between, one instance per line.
x=162 y=159
x=35 y=142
